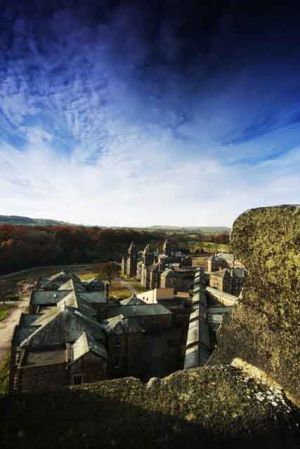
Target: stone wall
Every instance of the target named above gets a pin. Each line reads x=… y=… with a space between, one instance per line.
x=42 y=378
x=263 y=329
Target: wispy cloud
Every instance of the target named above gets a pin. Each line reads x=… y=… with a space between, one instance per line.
x=104 y=121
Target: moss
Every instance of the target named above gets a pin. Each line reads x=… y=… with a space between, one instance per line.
x=4 y=373
x=264 y=328
x=206 y=407
x=4 y=311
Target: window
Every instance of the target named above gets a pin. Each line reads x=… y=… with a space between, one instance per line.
x=117 y=342
x=117 y=362
x=77 y=379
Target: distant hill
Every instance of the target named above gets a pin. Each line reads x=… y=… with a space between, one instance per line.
x=204 y=229
x=27 y=221
x=18 y=220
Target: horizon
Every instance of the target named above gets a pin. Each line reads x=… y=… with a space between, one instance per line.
x=168 y=226
x=129 y=113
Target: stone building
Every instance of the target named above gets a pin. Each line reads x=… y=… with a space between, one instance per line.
x=209 y=306
x=221 y=280
x=168 y=268
x=225 y=273
x=217 y=262
x=74 y=335
x=129 y=262
x=58 y=347
x=229 y=281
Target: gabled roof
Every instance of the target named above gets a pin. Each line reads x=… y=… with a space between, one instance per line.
x=75 y=300
x=96 y=297
x=139 y=310
x=56 y=279
x=62 y=326
x=132 y=301
x=120 y=325
x=47 y=297
x=95 y=283
x=86 y=343
x=219 y=296
x=220 y=273
x=73 y=284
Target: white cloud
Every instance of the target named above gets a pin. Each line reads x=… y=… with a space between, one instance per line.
x=106 y=147
x=142 y=186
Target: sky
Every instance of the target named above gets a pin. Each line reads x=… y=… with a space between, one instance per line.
x=137 y=113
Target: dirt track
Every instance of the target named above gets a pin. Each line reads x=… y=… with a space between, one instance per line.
x=7 y=326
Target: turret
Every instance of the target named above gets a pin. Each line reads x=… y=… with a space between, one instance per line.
x=166 y=247
x=147 y=255
x=132 y=250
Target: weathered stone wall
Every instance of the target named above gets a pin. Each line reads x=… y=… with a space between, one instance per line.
x=207 y=408
x=91 y=366
x=264 y=327
x=43 y=378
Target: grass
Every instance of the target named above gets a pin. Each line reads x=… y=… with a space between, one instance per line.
x=136 y=285
x=4 y=310
x=200 y=261
x=87 y=276
x=4 y=373
x=119 y=291
x=211 y=247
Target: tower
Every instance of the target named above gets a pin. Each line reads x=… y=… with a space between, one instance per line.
x=131 y=260
x=147 y=256
x=147 y=260
x=131 y=264
x=167 y=248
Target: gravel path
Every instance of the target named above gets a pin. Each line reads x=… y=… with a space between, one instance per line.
x=7 y=326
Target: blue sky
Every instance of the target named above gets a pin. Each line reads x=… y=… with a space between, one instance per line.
x=142 y=113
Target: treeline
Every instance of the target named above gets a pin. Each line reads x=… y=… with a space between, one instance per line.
x=25 y=247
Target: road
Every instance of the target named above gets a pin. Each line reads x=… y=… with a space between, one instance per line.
x=7 y=326
x=49 y=267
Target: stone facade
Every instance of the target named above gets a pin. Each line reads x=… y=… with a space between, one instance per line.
x=229 y=281
x=73 y=335
x=129 y=262
x=169 y=268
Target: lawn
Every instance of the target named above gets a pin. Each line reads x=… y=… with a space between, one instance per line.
x=137 y=286
x=119 y=291
x=4 y=373
x=87 y=276
x=4 y=309
x=211 y=247
x=200 y=261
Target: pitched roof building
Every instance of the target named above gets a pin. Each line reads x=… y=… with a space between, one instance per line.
x=66 y=340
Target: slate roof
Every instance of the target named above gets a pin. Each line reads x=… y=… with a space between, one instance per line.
x=139 y=310
x=132 y=301
x=62 y=326
x=220 y=273
x=120 y=325
x=47 y=297
x=95 y=283
x=220 y=296
x=73 y=284
x=86 y=343
x=57 y=279
x=96 y=297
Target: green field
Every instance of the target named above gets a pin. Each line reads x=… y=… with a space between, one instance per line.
x=4 y=310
